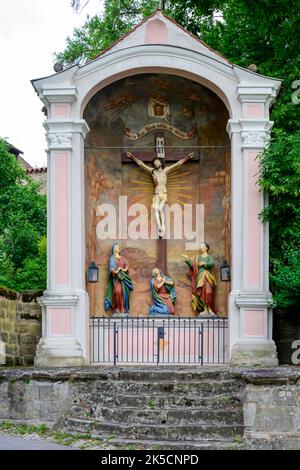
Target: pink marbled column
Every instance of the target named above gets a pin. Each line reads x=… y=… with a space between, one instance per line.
x=60 y=321
x=254 y=110
x=253 y=222
x=254 y=322
x=60 y=110
x=61 y=205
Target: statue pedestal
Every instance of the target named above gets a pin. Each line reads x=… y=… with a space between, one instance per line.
x=207 y=316
x=118 y=315
x=158 y=315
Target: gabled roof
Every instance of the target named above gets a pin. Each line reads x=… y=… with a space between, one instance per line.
x=155 y=38
x=178 y=36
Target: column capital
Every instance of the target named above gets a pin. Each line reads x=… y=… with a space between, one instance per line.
x=255 y=133
x=60 y=132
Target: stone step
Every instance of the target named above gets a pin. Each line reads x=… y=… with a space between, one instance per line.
x=205 y=444
x=172 y=373
x=199 y=388
x=202 y=415
x=152 y=431
x=159 y=400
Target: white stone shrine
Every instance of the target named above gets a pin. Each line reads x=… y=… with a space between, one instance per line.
x=156 y=45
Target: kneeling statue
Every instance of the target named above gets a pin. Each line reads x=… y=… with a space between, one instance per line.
x=163 y=294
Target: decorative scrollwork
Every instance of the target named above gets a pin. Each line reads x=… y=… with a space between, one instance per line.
x=59 y=139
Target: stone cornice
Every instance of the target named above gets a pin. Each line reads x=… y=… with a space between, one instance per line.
x=56 y=300
x=254 y=300
x=255 y=93
x=68 y=125
x=58 y=94
x=281 y=375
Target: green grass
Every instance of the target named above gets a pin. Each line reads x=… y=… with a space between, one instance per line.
x=69 y=439
x=6 y=425
x=23 y=428
x=57 y=436
x=239 y=440
x=152 y=404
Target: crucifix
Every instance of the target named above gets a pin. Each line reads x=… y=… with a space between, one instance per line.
x=159 y=173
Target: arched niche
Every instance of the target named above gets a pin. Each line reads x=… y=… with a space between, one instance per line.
x=114 y=114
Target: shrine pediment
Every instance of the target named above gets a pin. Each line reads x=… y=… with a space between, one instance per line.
x=159 y=44
x=162 y=29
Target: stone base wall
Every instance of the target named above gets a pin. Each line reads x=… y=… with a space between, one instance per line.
x=20 y=327
x=270 y=397
x=271 y=405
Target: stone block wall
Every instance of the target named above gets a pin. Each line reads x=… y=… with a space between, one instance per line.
x=271 y=405
x=270 y=399
x=20 y=327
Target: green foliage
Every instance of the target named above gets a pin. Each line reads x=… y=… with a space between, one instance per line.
x=34 y=270
x=152 y=404
x=82 y=441
x=99 y=32
x=11 y=171
x=260 y=32
x=280 y=177
x=22 y=227
x=23 y=428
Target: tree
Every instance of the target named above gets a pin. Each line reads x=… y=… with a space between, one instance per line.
x=33 y=274
x=280 y=177
x=100 y=31
x=260 y=32
x=22 y=221
x=263 y=32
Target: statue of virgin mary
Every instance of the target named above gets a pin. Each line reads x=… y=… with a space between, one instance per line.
x=119 y=283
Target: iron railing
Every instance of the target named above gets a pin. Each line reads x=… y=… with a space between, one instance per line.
x=171 y=340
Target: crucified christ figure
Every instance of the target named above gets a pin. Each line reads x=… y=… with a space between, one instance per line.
x=160 y=175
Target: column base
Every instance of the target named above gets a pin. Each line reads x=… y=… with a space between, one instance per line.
x=254 y=353
x=59 y=352
x=2 y=353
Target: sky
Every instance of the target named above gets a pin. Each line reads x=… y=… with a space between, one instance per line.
x=30 y=32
